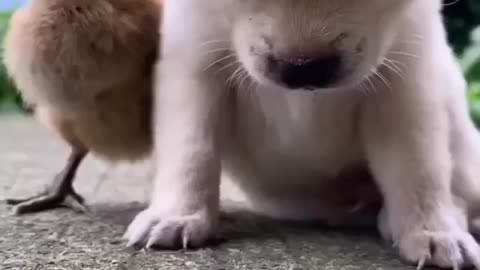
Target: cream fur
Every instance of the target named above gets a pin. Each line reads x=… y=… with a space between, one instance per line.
x=399 y=110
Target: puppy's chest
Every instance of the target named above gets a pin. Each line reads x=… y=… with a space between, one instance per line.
x=297 y=132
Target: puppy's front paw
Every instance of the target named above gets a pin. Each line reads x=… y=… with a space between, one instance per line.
x=154 y=229
x=447 y=249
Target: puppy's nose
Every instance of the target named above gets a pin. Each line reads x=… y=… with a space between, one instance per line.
x=307 y=73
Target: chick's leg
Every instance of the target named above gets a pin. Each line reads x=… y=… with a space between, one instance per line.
x=60 y=194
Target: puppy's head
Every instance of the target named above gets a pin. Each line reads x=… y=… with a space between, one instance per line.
x=315 y=44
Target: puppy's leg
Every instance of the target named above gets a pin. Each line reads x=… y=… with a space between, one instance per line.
x=466 y=154
x=61 y=193
x=407 y=135
x=185 y=202
x=465 y=146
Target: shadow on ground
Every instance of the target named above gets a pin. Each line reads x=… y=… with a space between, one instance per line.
x=62 y=239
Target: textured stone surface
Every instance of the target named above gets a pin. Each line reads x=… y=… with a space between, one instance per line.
x=61 y=239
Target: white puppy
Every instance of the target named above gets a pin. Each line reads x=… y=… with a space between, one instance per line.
x=294 y=99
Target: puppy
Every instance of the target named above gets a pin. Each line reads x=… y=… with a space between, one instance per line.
x=286 y=97
x=86 y=69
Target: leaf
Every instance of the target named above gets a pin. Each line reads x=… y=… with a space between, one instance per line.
x=470 y=58
x=474 y=96
x=475 y=35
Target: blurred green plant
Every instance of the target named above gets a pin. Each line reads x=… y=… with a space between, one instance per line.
x=9 y=97
x=475 y=101
x=470 y=62
x=461 y=17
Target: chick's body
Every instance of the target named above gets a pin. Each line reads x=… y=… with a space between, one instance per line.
x=88 y=65
x=85 y=66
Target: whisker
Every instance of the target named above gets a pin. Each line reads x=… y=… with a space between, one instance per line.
x=373 y=89
x=228 y=65
x=364 y=88
x=388 y=60
x=382 y=78
x=231 y=78
x=244 y=78
x=249 y=92
x=395 y=62
x=390 y=65
x=404 y=54
x=219 y=50
x=216 y=41
x=412 y=42
x=417 y=36
x=238 y=77
x=218 y=61
x=451 y=3
x=252 y=83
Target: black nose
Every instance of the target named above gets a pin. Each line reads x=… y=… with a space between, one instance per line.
x=306 y=73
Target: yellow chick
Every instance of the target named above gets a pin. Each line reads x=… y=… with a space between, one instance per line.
x=85 y=67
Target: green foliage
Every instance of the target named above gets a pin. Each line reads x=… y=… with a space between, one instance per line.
x=462 y=16
x=475 y=101
x=9 y=98
x=470 y=62
x=463 y=25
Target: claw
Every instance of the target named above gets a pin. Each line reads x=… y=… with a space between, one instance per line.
x=136 y=239
x=125 y=236
x=185 y=241
x=133 y=242
x=149 y=244
x=395 y=244
x=471 y=250
x=75 y=204
x=421 y=263
x=138 y=232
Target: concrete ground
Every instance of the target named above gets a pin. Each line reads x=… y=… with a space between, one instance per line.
x=62 y=239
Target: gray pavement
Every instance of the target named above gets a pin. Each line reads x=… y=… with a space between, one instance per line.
x=62 y=239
